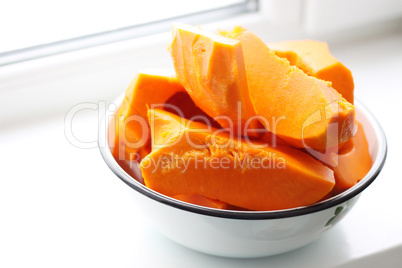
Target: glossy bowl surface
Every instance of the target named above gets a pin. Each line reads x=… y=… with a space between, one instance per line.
x=248 y=234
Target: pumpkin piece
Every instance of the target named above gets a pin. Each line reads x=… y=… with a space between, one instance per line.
x=212 y=70
x=192 y=158
x=182 y=105
x=315 y=59
x=200 y=200
x=354 y=161
x=272 y=140
x=131 y=135
x=304 y=111
x=151 y=87
x=328 y=157
x=148 y=88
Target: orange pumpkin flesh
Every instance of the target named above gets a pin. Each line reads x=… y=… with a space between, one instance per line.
x=315 y=59
x=285 y=178
x=214 y=75
x=151 y=87
x=182 y=105
x=301 y=108
x=354 y=161
x=131 y=135
x=200 y=200
x=212 y=70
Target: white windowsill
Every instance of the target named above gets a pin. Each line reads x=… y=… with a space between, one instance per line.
x=62 y=207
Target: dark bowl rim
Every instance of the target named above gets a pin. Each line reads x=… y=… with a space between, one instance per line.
x=253 y=215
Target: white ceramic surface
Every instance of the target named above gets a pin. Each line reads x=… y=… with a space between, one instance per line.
x=236 y=237
x=246 y=234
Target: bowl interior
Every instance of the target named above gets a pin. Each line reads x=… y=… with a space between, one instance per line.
x=377 y=147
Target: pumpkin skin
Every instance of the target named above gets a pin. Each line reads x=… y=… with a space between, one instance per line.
x=186 y=158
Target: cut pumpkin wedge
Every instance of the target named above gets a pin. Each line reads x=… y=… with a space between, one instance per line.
x=193 y=158
x=354 y=161
x=148 y=88
x=315 y=59
x=304 y=111
x=212 y=70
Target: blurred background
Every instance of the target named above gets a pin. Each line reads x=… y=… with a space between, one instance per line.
x=60 y=206
x=41 y=39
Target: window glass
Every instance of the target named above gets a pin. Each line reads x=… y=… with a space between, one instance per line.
x=26 y=23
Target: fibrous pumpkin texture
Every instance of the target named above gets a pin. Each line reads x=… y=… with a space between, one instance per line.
x=192 y=158
x=212 y=70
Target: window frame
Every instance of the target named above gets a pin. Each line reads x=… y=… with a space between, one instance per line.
x=126 y=33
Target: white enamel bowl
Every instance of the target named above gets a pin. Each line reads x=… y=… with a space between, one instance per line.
x=245 y=234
